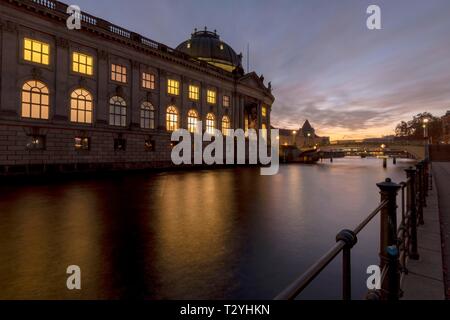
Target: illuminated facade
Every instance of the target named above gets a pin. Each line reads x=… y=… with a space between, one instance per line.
x=106 y=97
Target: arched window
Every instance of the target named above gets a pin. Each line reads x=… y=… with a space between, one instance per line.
x=147 y=115
x=117 y=111
x=35 y=100
x=225 y=125
x=210 y=123
x=81 y=106
x=264 y=131
x=172 y=118
x=192 y=121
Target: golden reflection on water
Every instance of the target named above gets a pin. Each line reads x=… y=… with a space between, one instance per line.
x=205 y=234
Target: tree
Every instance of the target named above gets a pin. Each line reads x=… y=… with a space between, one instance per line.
x=402 y=129
x=414 y=129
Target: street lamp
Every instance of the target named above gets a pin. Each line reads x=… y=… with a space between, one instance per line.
x=294 y=133
x=425 y=136
x=425 y=127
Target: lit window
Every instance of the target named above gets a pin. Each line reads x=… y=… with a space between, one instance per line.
x=264 y=131
x=192 y=121
x=210 y=123
x=194 y=92
x=264 y=112
x=226 y=101
x=118 y=73
x=117 y=112
x=81 y=106
x=35 y=100
x=172 y=118
x=211 y=96
x=35 y=143
x=148 y=81
x=226 y=126
x=82 y=63
x=147 y=116
x=36 y=51
x=82 y=143
x=173 y=87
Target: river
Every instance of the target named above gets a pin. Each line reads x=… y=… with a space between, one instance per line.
x=210 y=234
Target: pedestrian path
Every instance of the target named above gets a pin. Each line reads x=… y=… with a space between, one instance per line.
x=425 y=279
x=441 y=172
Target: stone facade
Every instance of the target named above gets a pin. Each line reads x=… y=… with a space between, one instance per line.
x=53 y=139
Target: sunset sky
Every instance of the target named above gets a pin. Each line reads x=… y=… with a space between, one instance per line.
x=324 y=64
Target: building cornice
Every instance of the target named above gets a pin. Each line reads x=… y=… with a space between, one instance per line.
x=56 y=10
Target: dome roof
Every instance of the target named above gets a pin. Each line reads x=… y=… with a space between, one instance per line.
x=206 y=45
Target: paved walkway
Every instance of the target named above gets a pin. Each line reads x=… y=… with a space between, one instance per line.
x=425 y=280
x=441 y=172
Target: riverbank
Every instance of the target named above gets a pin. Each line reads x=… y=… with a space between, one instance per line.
x=425 y=280
x=441 y=172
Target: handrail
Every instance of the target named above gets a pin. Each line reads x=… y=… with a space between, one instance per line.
x=398 y=242
x=366 y=221
x=301 y=283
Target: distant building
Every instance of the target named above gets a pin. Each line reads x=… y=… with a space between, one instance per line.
x=446 y=128
x=305 y=137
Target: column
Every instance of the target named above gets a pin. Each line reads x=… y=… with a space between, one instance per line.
x=102 y=106
x=9 y=106
x=62 y=64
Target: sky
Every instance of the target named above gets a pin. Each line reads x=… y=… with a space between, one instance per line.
x=325 y=65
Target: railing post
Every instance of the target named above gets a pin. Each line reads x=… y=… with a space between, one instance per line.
x=391 y=290
x=419 y=178
x=388 y=223
x=350 y=239
x=411 y=174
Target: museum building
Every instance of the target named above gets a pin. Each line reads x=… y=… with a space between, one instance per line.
x=103 y=97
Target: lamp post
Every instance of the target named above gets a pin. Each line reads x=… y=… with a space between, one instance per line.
x=425 y=136
x=294 y=134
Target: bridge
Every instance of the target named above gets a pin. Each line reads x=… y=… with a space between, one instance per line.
x=415 y=149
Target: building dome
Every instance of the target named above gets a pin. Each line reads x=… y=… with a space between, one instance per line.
x=207 y=46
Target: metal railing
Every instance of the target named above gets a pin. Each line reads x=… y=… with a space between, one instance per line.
x=398 y=241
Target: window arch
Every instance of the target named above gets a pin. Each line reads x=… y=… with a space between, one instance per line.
x=81 y=106
x=172 y=118
x=117 y=111
x=264 y=131
x=210 y=123
x=225 y=125
x=35 y=100
x=147 y=115
x=192 y=121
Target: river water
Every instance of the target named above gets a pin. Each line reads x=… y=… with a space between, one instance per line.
x=211 y=234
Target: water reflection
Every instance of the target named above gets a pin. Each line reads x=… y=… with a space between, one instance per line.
x=213 y=234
